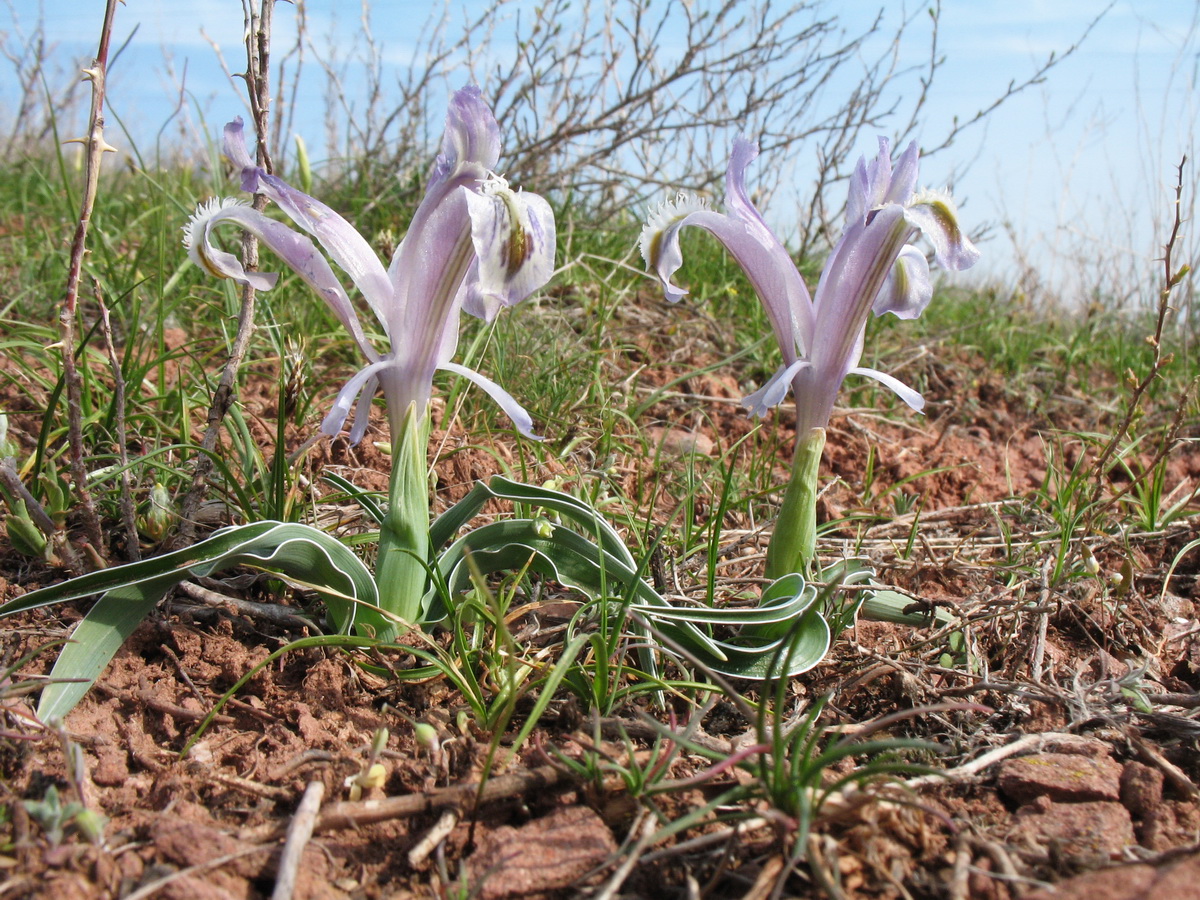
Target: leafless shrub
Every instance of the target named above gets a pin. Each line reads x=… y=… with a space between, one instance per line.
x=611 y=102
x=1103 y=249
x=44 y=95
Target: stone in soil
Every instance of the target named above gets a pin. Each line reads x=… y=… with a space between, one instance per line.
x=1062 y=777
x=1141 y=788
x=546 y=854
x=1084 y=830
x=1173 y=881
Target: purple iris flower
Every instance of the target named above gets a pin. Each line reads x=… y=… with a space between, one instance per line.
x=873 y=267
x=474 y=245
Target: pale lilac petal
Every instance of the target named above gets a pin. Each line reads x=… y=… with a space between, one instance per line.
x=908 y=288
x=513 y=236
x=429 y=269
x=858 y=203
x=902 y=390
x=737 y=198
x=472 y=134
x=362 y=410
x=772 y=393
x=903 y=177
x=659 y=241
x=214 y=260
x=470 y=150
x=296 y=250
x=879 y=175
x=935 y=214
x=767 y=264
x=234 y=146
x=520 y=418
x=332 y=425
x=341 y=241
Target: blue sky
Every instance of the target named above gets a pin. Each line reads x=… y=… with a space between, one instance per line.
x=1073 y=168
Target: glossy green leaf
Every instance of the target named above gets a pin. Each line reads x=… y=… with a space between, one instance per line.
x=304 y=555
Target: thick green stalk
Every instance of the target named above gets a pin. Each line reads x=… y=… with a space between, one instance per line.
x=401 y=571
x=794 y=543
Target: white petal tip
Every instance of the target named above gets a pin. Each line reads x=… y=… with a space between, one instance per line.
x=663 y=217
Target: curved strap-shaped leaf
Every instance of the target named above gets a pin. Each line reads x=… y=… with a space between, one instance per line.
x=94 y=641
x=558 y=553
x=298 y=552
x=499 y=488
x=368 y=500
x=304 y=553
x=785 y=616
x=876 y=602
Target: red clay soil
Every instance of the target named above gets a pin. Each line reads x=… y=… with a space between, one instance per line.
x=1071 y=751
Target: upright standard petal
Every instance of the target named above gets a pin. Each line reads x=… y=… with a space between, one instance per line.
x=439 y=235
x=472 y=134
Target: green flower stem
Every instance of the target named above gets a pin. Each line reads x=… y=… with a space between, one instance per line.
x=402 y=568
x=794 y=543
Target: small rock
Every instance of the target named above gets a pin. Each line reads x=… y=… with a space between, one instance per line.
x=1063 y=777
x=1079 y=745
x=1176 y=881
x=681 y=442
x=1141 y=788
x=1079 y=829
x=547 y=854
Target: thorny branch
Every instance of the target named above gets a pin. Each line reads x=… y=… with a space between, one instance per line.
x=258 y=85
x=1172 y=278
x=94 y=147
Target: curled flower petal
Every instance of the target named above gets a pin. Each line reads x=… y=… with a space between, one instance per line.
x=659 y=241
x=341 y=241
x=513 y=236
x=214 y=260
x=764 y=260
x=294 y=249
x=935 y=214
x=908 y=289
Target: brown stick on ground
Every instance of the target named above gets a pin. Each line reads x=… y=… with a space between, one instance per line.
x=298 y=835
x=351 y=815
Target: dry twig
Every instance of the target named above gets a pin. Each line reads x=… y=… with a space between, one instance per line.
x=258 y=47
x=298 y=835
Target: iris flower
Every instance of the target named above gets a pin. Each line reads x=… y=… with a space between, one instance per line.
x=873 y=268
x=474 y=244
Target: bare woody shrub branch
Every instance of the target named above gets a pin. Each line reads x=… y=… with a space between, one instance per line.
x=258 y=86
x=610 y=102
x=94 y=147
